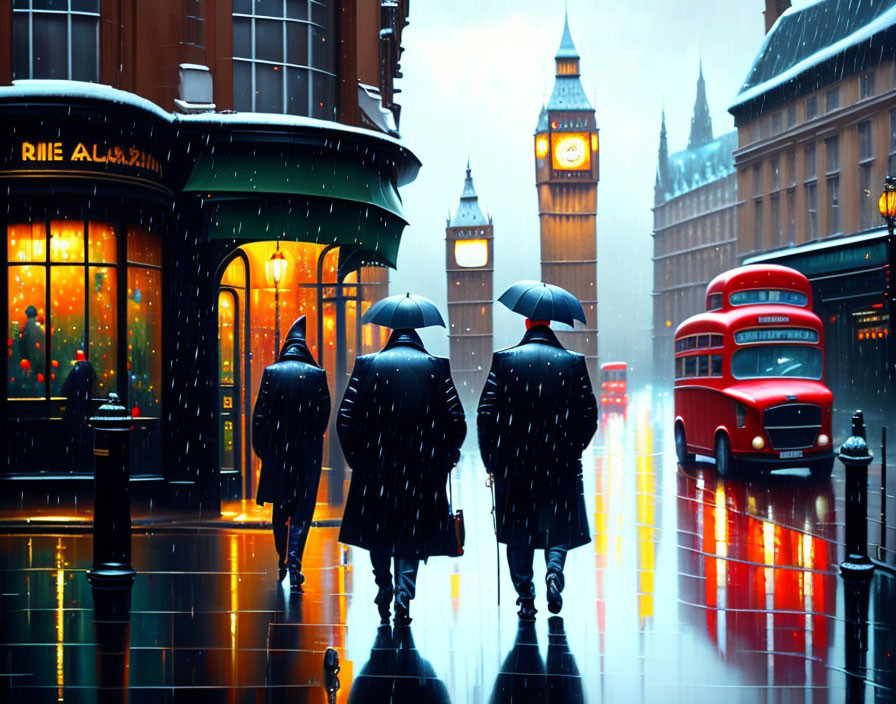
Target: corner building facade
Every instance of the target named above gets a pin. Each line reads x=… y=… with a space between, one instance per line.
x=816 y=125
x=566 y=175
x=171 y=239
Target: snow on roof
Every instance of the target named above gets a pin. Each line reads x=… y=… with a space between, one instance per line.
x=49 y=89
x=263 y=119
x=34 y=88
x=806 y=35
x=692 y=168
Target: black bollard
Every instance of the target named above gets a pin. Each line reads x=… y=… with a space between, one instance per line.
x=331 y=672
x=856 y=594
x=112 y=576
x=111 y=497
x=855 y=456
x=112 y=624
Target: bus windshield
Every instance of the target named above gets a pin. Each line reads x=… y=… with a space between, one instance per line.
x=777 y=361
x=614 y=375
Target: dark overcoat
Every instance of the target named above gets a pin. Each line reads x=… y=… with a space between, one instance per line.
x=537 y=413
x=401 y=426
x=288 y=424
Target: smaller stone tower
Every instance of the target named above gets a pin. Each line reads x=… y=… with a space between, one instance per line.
x=469 y=263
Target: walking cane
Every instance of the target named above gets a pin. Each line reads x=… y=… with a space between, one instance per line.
x=490 y=483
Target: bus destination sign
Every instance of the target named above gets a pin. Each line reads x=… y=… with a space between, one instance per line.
x=765 y=319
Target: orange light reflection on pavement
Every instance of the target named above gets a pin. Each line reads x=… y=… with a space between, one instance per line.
x=60 y=623
x=646 y=518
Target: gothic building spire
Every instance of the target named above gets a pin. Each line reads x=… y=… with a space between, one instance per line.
x=568 y=93
x=566 y=50
x=701 y=123
x=663 y=175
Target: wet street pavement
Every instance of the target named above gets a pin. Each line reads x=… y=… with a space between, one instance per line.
x=693 y=589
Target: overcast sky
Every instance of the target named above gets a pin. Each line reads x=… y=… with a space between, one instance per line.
x=476 y=73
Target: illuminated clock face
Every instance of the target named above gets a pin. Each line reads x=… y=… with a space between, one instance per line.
x=571 y=151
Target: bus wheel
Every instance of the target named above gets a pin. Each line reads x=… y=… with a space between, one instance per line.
x=822 y=468
x=723 y=455
x=681 y=446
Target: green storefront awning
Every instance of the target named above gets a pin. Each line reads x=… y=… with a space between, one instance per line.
x=301 y=197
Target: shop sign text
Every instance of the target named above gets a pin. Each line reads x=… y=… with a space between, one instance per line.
x=94 y=153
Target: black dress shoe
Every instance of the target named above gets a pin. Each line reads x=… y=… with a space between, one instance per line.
x=281 y=569
x=296 y=579
x=555 y=601
x=527 y=609
x=402 y=617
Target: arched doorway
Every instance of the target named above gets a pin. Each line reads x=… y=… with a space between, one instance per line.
x=258 y=301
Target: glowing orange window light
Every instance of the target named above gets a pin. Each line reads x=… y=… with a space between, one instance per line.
x=594 y=142
x=541 y=147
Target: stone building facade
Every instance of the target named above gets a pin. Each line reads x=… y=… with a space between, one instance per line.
x=694 y=228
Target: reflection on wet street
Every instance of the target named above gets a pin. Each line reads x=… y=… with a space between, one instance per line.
x=693 y=589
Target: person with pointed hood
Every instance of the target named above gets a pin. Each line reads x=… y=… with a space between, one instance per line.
x=536 y=416
x=288 y=425
x=401 y=426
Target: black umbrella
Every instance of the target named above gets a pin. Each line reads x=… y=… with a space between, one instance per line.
x=541 y=301
x=405 y=311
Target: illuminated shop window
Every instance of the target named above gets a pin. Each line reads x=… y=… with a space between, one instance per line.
x=284 y=57
x=62 y=299
x=57 y=39
x=374 y=288
x=144 y=313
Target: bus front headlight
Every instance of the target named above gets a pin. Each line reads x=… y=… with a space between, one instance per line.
x=823 y=440
x=758 y=442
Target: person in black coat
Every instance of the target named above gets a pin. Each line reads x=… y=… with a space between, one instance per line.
x=288 y=426
x=537 y=413
x=77 y=389
x=401 y=426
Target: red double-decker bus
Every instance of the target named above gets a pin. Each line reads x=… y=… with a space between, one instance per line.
x=613 y=388
x=749 y=375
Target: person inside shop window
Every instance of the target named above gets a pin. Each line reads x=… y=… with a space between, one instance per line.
x=77 y=389
x=31 y=350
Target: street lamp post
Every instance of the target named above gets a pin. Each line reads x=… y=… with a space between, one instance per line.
x=276 y=271
x=887 y=207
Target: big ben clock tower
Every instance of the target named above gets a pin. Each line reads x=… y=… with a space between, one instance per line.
x=566 y=175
